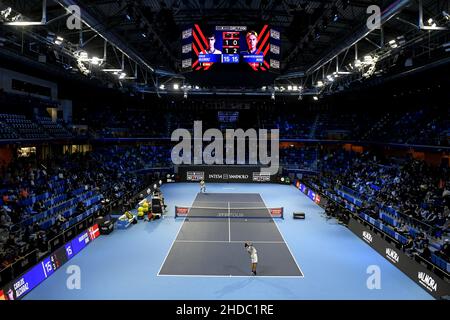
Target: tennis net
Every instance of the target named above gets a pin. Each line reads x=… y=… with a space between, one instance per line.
x=229 y=212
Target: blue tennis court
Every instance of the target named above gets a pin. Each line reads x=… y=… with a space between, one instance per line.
x=334 y=262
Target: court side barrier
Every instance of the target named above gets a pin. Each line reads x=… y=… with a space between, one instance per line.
x=19 y=266
x=46 y=265
x=430 y=277
x=419 y=273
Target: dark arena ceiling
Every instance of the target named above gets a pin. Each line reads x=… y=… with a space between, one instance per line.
x=315 y=37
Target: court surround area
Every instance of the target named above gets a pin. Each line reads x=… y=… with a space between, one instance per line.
x=309 y=259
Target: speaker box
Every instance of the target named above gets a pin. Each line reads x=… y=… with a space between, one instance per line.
x=299 y=215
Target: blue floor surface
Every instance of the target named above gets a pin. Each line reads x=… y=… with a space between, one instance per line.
x=125 y=264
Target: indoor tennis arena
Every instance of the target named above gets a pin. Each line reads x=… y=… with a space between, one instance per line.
x=201 y=152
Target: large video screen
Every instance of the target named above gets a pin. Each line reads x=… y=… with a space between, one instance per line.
x=254 y=48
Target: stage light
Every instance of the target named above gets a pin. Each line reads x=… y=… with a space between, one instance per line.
x=59 y=40
x=393 y=44
x=282 y=179
x=16 y=17
x=162 y=87
x=330 y=78
x=446 y=15
x=155 y=186
x=368 y=59
x=5 y=13
x=122 y=75
x=319 y=83
x=446 y=46
x=176 y=86
x=431 y=22
x=160 y=182
x=272 y=96
x=24 y=23
x=357 y=63
x=95 y=61
x=185 y=95
x=315 y=98
x=295 y=88
x=197 y=88
x=290 y=88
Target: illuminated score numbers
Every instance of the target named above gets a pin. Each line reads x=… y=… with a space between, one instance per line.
x=230 y=42
x=230 y=47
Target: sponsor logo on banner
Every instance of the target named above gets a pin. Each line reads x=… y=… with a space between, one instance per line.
x=392 y=255
x=186 y=63
x=261 y=177
x=274 y=64
x=275 y=34
x=187 y=33
x=367 y=237
x=195 y=175
x=274 y=49
x=427 y=281
x=187 y=48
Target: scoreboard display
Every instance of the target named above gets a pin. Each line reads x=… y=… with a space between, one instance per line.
x=254 y=48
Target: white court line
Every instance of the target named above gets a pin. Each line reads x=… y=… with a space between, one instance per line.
x=230 y=276
x=170 y=249
x=222 y=241
x=173 y=241
x=222 y=276
x=298 y=266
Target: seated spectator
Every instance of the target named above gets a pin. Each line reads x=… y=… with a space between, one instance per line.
x=42 y=244
x=426 y=252
x=408 y=246
x=11 y=242
x=36 y=228
x=80 y=208
x=401 y=228
x=38 y=207
x=419 y=241
x=60 y=220
x=5 y=220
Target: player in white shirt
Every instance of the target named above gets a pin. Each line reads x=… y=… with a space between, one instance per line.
x=202 y=186
x=253 y=255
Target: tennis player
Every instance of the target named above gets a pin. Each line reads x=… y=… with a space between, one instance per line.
x=253 y=255
x=202 y=186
